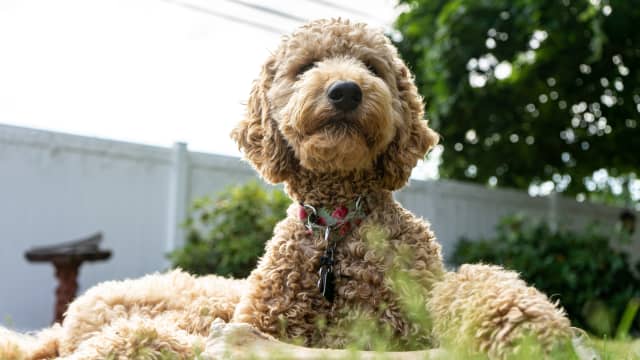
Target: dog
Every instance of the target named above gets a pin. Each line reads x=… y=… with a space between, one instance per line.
x=335 y=116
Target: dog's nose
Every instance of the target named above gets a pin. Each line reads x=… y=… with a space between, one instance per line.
x=345 y=95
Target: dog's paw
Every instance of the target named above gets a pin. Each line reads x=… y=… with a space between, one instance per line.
x=217 y=328
x=230 y=340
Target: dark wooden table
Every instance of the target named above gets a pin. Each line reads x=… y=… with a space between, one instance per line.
x=67 y=258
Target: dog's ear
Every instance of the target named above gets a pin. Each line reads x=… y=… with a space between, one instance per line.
x=413 y=137
x=258 y=135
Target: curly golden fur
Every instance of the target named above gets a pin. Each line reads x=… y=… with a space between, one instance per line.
x=292 y=127
x=327 y=157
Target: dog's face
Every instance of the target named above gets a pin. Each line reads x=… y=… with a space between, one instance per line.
x=335 y=97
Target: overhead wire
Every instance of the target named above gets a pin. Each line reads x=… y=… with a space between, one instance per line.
x=269 y=10
x=345 y=8
x=227 y=17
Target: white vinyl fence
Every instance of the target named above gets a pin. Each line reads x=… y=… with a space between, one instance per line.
x=57 y=187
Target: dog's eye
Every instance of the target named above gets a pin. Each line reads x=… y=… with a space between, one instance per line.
x=372 y=69
x=306 y=68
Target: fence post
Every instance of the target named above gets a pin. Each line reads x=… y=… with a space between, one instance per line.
x=178 y=195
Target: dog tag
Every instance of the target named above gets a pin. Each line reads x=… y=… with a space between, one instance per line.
x=327 y=283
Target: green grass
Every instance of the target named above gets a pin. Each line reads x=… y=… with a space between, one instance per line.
x=617 y=349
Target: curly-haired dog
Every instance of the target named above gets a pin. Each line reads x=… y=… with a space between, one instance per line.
x=336 y=117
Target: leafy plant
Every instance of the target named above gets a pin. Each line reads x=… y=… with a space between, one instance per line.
x=226 y=235
x=593 y=281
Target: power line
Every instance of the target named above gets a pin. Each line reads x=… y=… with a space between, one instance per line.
x=269 y=10
x=232 y=18
x=345 y=8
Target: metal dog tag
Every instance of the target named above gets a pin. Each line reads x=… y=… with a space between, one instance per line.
x=327 y=283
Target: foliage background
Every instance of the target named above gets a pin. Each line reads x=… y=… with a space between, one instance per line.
x=525 y=92
x=593 y=281
x=227 y=235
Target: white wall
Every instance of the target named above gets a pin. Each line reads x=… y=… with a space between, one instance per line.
x=56 y=187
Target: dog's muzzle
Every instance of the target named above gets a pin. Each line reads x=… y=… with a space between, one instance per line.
x=344 y=95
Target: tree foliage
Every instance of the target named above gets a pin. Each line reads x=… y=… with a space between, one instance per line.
x=526 y=91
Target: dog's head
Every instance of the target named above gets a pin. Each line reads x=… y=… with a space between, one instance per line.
x=335 y=97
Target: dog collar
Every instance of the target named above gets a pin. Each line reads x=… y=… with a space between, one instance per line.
x=333 y=225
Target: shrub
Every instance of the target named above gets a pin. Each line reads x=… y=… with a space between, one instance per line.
x=226 y=236
x=593 y=281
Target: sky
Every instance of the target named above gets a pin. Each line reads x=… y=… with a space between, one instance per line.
x=147 y=71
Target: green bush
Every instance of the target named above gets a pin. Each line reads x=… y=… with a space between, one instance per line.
x=226 y=236
x=593 y=281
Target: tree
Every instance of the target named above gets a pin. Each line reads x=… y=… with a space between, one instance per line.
x=527 y=91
